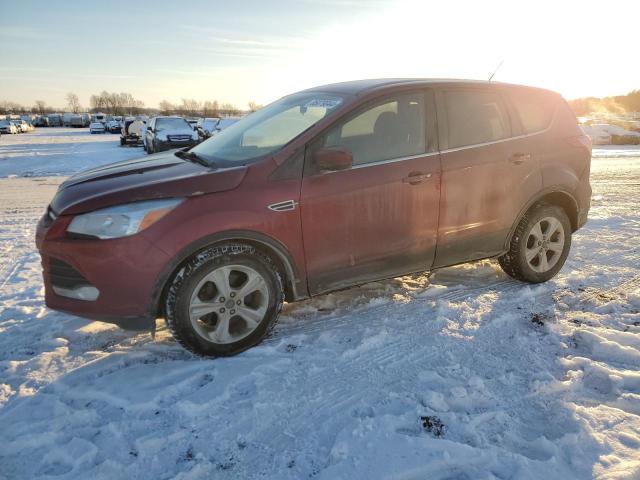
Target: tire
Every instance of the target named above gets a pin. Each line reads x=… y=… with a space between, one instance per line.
x=208 y=285
x=122 y=142
x=539 y=246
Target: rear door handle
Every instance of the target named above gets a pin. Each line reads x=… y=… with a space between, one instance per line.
x=519 y=158
x=414 y=178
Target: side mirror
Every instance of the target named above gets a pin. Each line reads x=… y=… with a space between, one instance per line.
x=149 y=129
x=333 y=159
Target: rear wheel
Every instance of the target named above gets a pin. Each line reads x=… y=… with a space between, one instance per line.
x=539 y=246
x=225 y=300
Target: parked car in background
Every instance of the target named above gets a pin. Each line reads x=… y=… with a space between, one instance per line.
x=99 y=117
x=205 y=126
x=330 y=187
x=66 y=119
x=18 y=125
x=597 y=136
x=96 y=127
x=132 y=131
x=25 y=126
x=7 y=126
x=165 y=133
x=41 y=121
x=80 y=120
x=225 y=122
x=55 y=120
x=113 y=126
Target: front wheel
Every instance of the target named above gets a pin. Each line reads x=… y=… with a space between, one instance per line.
x=224 y=300
x=539 y=246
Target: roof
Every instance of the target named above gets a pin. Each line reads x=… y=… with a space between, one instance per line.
x=359 y=87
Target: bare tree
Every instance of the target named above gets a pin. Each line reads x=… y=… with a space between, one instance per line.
x=253 y=106
x=229 y=109
x=116 y=103
x=96 y=102
x=211 y=109
x=190 y=107
x=40 y=107
x=11 y=107
x=73 y=102
x=166 y=107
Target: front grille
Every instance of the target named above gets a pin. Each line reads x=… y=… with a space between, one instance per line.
x=179 y=138
x=64 y=275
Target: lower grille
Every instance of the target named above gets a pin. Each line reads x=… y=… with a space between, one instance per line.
x=179 y=138
x=64 y=275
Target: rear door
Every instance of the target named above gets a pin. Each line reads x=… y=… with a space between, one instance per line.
x=379 y=218
x=474 y=127
x=533 y=144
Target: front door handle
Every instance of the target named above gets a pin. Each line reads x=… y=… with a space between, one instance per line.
x=414 y=178
x=519 y=158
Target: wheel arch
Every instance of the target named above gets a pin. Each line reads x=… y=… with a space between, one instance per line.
x=295 y=287
x=552 y=196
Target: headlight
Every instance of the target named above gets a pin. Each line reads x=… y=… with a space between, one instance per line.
x=122 y=220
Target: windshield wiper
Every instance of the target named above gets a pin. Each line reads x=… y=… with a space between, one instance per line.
x=193 y=157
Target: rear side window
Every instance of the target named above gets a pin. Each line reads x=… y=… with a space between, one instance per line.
x=392 y=128
x=475 y=117
x=535 y=109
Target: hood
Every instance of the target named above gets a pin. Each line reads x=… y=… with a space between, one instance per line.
x=157 y=176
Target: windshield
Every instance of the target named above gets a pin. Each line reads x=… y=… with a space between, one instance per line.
x=163 y=124
x=209 y=124
x=268 y=129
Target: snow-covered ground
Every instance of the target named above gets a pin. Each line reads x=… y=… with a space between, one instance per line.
x=463 y=375
x=59 y=151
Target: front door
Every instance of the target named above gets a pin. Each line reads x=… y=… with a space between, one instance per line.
x=379 y=218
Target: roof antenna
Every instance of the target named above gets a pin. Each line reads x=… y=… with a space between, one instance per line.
x=497 y=68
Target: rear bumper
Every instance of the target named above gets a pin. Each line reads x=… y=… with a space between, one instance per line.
x=131 y=139
x=123 y=271
x=583 y=197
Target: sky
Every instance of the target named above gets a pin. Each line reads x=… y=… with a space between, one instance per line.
x=257 y=50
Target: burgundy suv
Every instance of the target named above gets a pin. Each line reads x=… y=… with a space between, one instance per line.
x=326 y=188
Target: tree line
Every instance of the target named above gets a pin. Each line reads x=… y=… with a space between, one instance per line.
x=125 y=103
x=190 y=107
x=616 y=104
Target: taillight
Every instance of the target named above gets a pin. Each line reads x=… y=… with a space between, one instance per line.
x=580 y=141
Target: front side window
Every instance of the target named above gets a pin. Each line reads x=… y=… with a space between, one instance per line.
x=268 y=129
x=391 y=128
x=475 y=117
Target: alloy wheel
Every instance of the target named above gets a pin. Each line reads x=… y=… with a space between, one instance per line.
x=545 y=243
x=229 y=303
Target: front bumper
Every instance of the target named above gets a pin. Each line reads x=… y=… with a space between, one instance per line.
x=162 y=145
x=124 y=272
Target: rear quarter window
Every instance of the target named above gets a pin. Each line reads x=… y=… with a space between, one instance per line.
x=535 y=109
